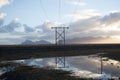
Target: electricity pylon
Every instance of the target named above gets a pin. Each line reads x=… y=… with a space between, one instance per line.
x=60 y=40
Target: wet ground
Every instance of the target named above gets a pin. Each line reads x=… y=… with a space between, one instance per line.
x=82 y=66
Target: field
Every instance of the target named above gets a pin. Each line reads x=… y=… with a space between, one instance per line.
x=13 y=52
x=24 y=72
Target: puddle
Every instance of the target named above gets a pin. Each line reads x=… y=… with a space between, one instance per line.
x=81 y=66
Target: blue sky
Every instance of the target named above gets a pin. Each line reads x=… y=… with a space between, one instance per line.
x=90 y=21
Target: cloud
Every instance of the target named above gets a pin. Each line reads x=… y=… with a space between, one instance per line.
x=4 y=2
x=95 y=28
x=92 y=40
x=111 y=18
x=45 y=31
x=1 y=22
x=113 y=11
x=15 y=30
x=2 y=15
x=46 y=26
x=28 y=28
x=11 y=26
x=83 y=28
x=15 y=27
x=82 y=40
x=78 y=3
x=97 y=23
x=85 y=14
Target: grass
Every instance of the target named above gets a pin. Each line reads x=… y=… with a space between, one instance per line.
x=24 y=72
x=13 y=52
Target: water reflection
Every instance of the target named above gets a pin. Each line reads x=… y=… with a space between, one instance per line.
x=81 y=66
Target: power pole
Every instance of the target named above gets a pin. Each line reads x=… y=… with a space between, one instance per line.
x=101 y=64
x=60 y=36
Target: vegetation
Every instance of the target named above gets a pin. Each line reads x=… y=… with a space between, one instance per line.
x=8 y=64
x=13 y=52
x=31 y=73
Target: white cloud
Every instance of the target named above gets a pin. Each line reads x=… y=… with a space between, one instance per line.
x=92 y=29
x=19 y=29
x=10 y=28
x=16 y=27
x=114 y=11
x=107 y=22
x=85 y=14
x=109 y=27
x=2 y=15
x=46 y=26
x=28 y=29
x=16 y=20
x=17 y=32
x=96 y=28
x=4 y=2
x=79 y=3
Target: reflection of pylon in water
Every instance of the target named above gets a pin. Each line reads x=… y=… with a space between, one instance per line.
x=60 y=62
x=60 y=40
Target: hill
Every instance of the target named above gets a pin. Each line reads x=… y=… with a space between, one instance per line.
x=36 y=42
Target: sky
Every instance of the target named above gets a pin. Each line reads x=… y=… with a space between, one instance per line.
x=89 y=21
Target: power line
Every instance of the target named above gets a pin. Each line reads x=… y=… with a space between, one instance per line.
x=44 y=11
x=59 y=11
x=74 y=11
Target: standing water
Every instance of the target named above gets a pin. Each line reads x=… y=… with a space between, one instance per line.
x=81 y=66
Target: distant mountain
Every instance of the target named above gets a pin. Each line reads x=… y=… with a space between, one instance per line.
x=36 y=42
x=42 y=42
x=27 y=42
